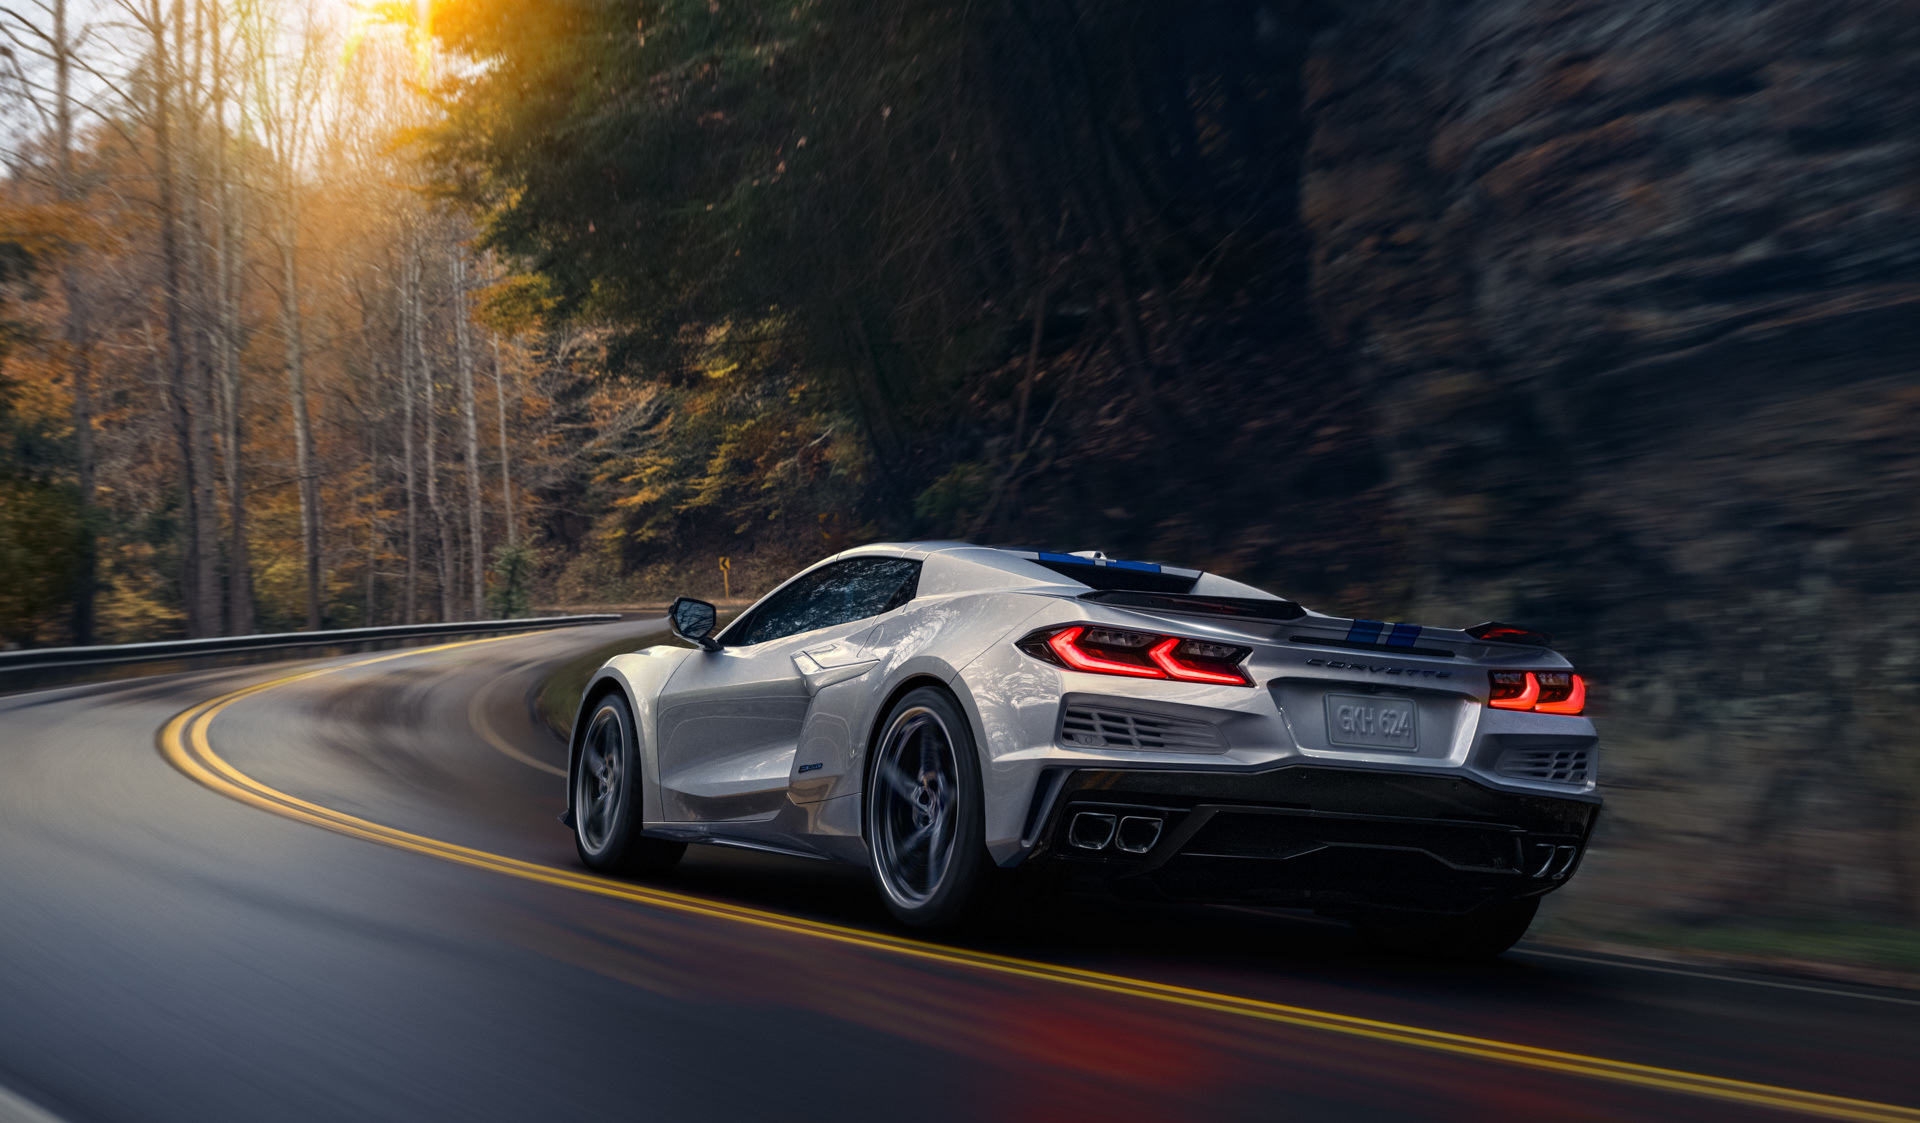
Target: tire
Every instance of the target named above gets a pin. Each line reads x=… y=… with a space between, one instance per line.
x=606 y=798
x=1481 y=934
x=925 y=820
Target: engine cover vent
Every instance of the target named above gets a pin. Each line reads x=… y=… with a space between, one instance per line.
x=1559 y=766
x=1105 y=728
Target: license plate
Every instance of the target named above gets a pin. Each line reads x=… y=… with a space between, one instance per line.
x=1371 y=721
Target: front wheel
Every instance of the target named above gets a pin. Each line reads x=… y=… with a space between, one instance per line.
x=925 y=823
x=1481 y=934
x=606 y=798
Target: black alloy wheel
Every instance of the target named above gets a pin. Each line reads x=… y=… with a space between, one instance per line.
x=925 y=823
x=606 y=798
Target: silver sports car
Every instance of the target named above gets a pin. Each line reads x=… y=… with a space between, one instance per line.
x=936 y=710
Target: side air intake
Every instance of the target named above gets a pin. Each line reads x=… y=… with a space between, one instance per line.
x=1104 y=728
x=1558 y=766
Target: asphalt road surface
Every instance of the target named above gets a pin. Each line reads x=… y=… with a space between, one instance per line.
x=343 y=895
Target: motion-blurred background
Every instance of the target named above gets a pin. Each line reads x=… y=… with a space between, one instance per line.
x=1603 y=319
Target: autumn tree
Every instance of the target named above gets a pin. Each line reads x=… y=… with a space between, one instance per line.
x=252 y=326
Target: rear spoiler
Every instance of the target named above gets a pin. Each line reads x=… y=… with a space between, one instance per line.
x=1239 y=608
x=1495 y=632
x=1410 y=639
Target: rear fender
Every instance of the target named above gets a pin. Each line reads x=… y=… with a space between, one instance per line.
x=927 y=645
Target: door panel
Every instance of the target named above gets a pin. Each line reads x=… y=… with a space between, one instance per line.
x=730 y=721
x=723 y=710
x=746 y=785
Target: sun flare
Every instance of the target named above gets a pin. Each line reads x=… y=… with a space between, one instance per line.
x=412 y=19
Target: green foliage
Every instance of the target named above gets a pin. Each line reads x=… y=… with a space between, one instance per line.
x=279 y=576
x=955 y=497
x=517 y=303
x=40 y=525
x=508 y=596
x=39 y=556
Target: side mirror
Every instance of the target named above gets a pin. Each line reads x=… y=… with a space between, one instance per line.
x=693 y=621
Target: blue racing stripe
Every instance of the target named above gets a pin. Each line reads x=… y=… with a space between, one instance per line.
x=1364 y=631
x=1403 y=635
x=1069 y=559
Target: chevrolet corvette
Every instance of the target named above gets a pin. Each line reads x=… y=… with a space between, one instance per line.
x=939 y=711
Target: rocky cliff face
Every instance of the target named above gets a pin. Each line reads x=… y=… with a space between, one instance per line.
x=1634 y=288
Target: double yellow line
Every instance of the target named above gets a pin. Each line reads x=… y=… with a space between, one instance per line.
x=186 y=744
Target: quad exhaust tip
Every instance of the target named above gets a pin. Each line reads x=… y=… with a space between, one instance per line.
x=1096 y=830
x=1091 y=830
x=1137 y=833
x=1555 y=861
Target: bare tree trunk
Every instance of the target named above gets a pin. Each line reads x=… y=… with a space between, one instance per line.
x=197 y=592
x=443 y=558
x=443 y=555
x=443 y=534
x=409 y=329
x=79 y=339
x=194 y=287
x=463 y=355
x=297 y=402
x=373 y=523
x=240 y=618
x=506 y=463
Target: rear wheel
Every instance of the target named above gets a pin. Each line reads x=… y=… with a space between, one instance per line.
x=606 y=798
x=925 y=823
x=1481 y=934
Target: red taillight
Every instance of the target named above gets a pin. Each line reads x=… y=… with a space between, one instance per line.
x=1066 y=646
x=1514 y=690
x=1561 y=692
x=1165 y=657
x=1112 y=651
x=1543 y=692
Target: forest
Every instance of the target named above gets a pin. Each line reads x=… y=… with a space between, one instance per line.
x=248 y=380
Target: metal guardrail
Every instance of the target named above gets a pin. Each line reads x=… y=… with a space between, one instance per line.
x=50 y=666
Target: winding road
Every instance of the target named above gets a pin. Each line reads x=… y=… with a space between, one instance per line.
x=337 y=890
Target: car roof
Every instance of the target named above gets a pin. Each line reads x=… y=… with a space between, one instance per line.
x=956 y=567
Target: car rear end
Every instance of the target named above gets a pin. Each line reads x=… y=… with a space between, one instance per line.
x=1230 y=748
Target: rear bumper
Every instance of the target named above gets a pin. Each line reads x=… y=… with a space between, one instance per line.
x=1311 y=836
